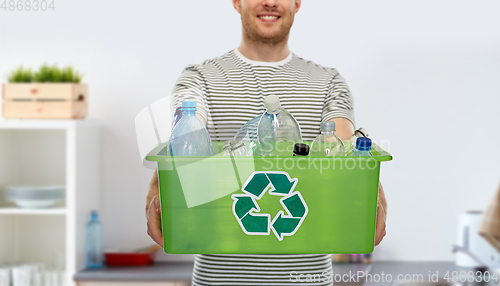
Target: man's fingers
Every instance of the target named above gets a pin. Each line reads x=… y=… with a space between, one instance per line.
x=380 y=224
x=380 y=238
x=154 y=222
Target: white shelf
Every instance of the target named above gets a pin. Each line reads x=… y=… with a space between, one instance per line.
x=48 y=152
x=44 y=124
x=20 y=211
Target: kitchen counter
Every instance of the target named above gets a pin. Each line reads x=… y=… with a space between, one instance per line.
x=346 y=274
x=158 y=272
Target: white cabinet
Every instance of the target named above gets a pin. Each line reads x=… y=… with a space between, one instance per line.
x=48 y=152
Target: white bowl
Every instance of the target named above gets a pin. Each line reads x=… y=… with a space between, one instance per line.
x=35 y=196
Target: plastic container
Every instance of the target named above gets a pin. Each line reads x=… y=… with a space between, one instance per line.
x=140 y=257
x=331 y=203
x=129 y=258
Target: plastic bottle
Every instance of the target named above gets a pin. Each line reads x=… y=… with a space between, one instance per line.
x=248 y=135
x=93 y=250
x=190 y=137
x=363 y=147
x=177 y=117
x=361 y=132
x=278 y=131
x=327 y=143
x=300 y=149
x=235 y=148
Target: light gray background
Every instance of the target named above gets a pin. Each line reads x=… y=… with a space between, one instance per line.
x=424 y=75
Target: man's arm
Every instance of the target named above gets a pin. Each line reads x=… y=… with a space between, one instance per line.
x=344 y=130
x=190 y=86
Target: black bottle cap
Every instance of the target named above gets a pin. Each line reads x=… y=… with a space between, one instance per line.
x=300 y=149
x=482 y=269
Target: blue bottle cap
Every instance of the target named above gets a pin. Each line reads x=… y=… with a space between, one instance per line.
x=94 y=214
x=189 y=104
x=364 y=144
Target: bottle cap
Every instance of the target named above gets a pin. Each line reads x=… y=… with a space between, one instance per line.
x=327 y=126
x=301 y=149
x=189 y=105
x=272 y=103
x=94 y=214
x=362 y=131
x=482 y=269
x=364 y=144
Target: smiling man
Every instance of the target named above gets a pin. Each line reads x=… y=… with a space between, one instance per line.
x=229 y=91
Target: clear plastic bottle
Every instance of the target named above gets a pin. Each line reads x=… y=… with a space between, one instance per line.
x=278 y=131
x=177 y=117
x=361 y=132
x=327 y=143
x=235 y=148
x=363 y=147
x=248 y=135
x=190 y=137
x=93 y=249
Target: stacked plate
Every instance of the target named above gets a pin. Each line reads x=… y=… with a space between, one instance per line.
x=35 y=197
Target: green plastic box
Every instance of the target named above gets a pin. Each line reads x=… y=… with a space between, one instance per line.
x=268 y=205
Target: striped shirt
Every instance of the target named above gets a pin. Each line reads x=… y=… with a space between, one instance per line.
x=229 y=91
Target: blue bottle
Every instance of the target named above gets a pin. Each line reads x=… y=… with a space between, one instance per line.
x=190 y=137
x=363 y=147
x=93 y=249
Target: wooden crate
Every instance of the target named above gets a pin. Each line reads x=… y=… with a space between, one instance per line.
x=44 y=100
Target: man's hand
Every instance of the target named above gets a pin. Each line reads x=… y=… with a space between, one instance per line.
x=345 y=129
x=381 y=216
x=154 y=221
x=153 y=211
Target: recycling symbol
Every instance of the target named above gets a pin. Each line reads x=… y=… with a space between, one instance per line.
x=246 y=210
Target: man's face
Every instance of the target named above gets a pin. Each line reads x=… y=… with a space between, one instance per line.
x=267 y=21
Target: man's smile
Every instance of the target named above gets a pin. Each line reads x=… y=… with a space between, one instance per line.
x=268 y=17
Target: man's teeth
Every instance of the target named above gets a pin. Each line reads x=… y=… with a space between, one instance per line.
x=269 y=17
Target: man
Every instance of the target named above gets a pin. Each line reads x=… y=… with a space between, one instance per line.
x=229 y=90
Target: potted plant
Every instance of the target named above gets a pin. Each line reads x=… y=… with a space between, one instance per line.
x=49 y=93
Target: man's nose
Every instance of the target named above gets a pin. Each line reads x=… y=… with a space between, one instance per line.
x=271 y=4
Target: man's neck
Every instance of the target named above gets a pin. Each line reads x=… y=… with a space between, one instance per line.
x=264 y=52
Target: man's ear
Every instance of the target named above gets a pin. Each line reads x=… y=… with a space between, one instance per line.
x=237 y=5
x=298 y=3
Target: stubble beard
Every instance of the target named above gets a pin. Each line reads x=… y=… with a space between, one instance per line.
x=252 y=32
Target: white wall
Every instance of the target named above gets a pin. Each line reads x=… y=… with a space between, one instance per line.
x=424 y=75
